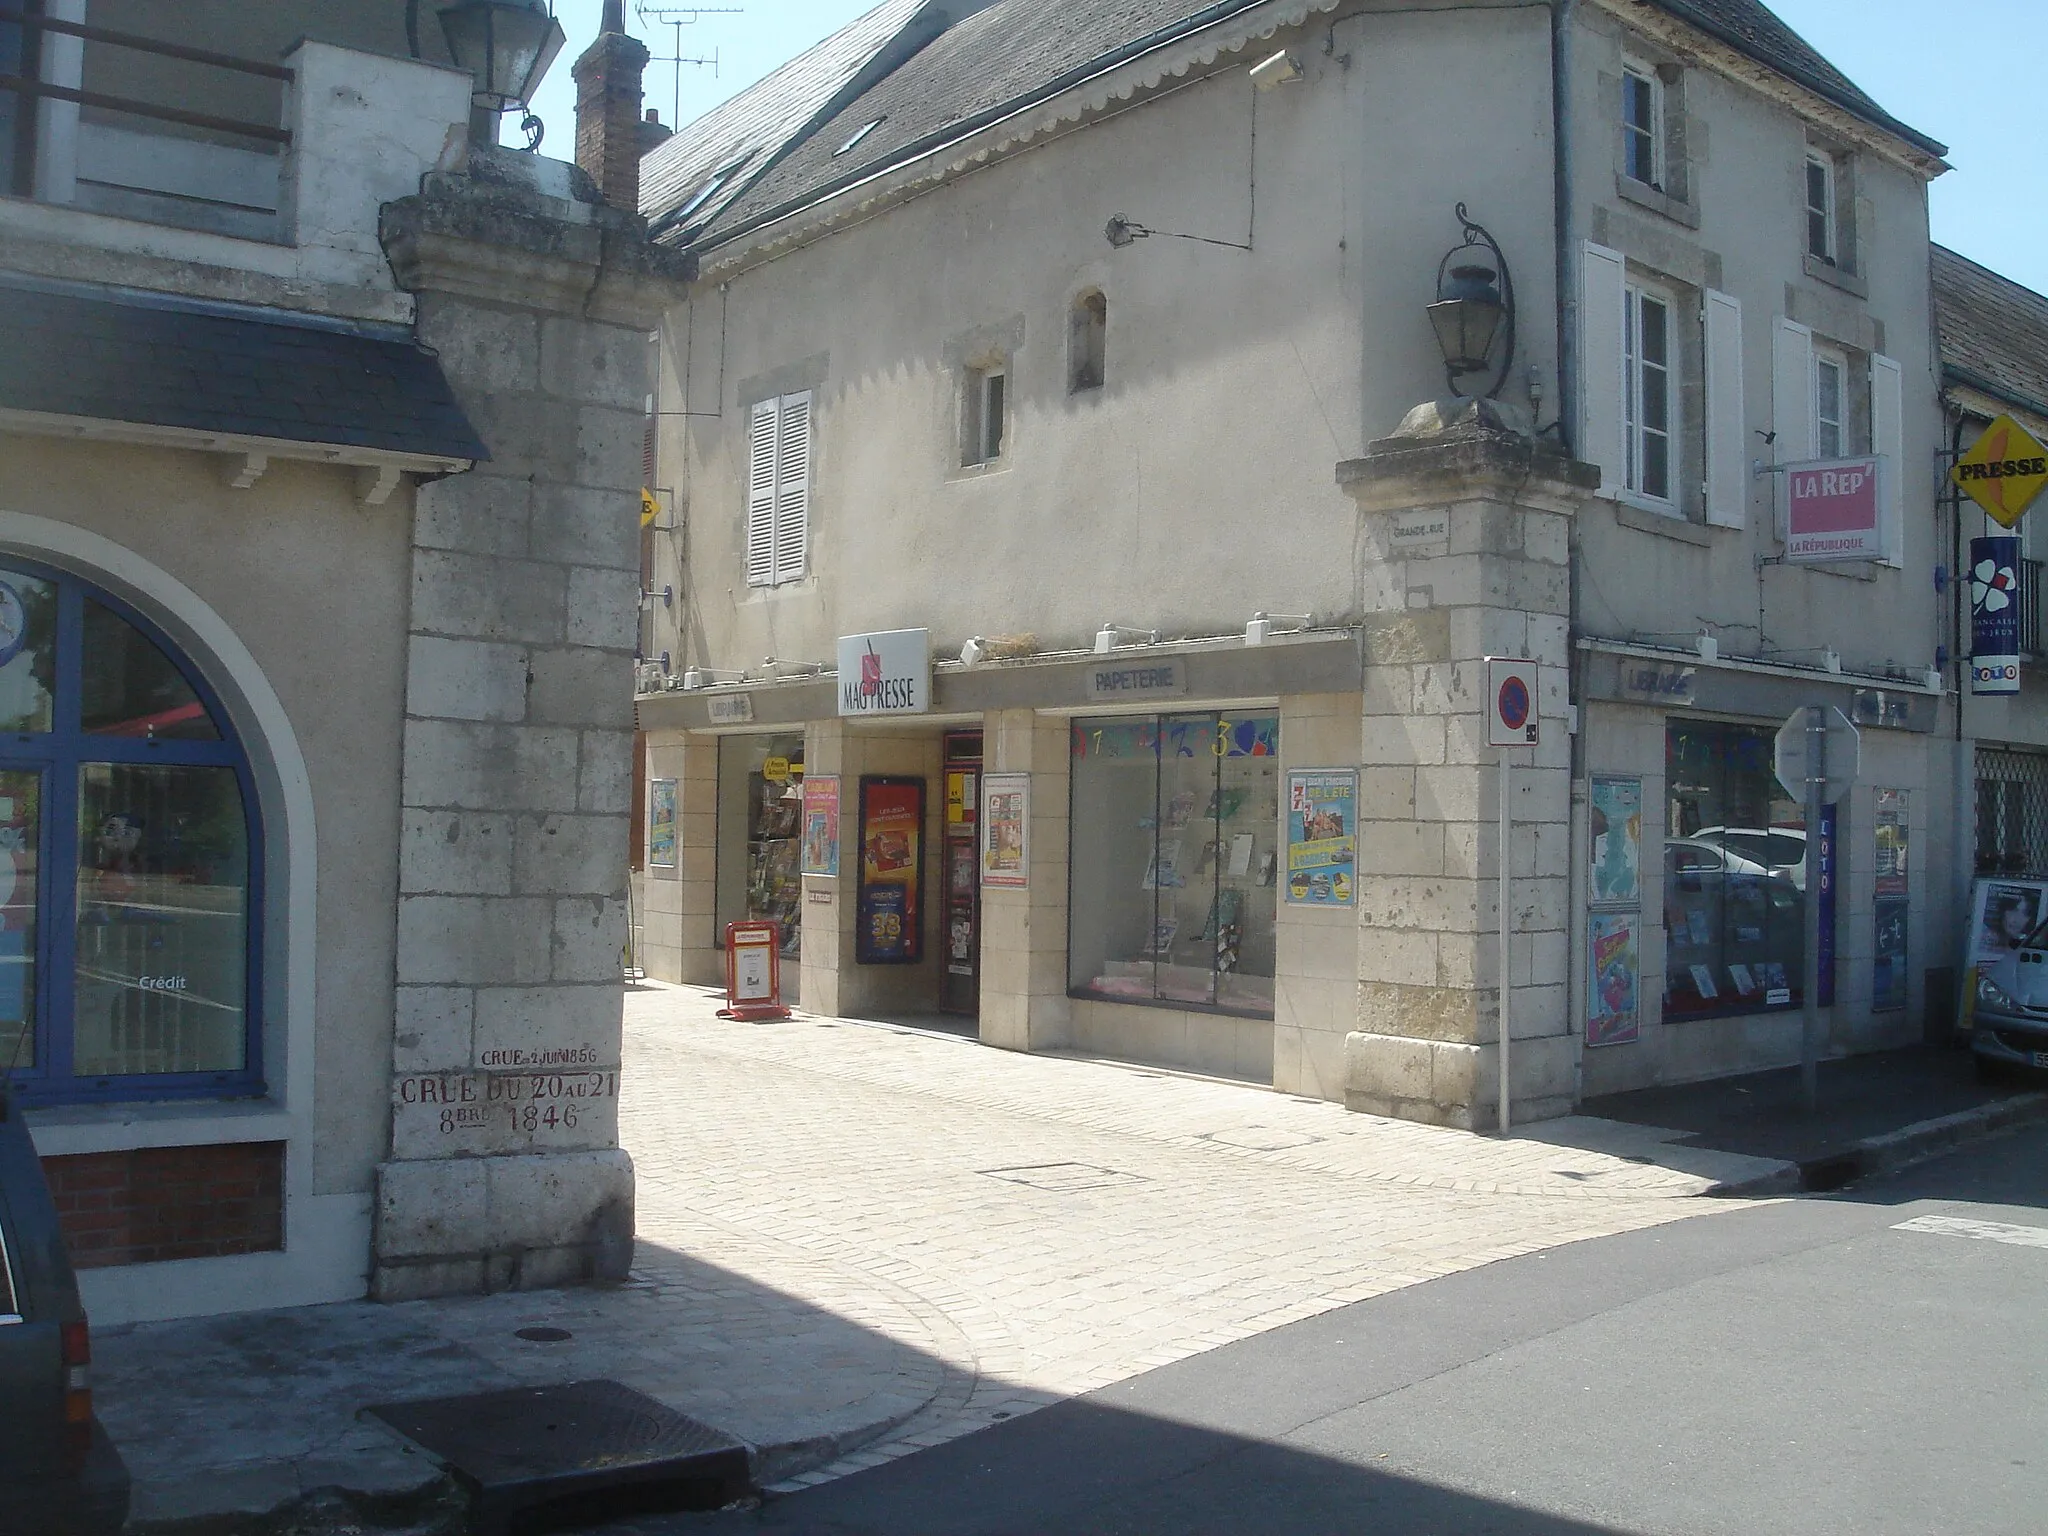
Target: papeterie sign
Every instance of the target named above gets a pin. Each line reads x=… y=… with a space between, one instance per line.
x=1832 y=509
x=1109 y=681
x=886 y=674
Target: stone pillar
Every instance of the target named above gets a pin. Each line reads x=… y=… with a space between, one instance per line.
x=610 y=137
x=505 y=1169
x=1024 y=933
x=1473 y=523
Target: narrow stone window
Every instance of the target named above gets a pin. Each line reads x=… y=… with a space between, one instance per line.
x=1087 y=339
x=982 y=416
x=1821 y=234
x=1642 y=125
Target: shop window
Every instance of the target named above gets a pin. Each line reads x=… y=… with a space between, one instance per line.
x=128 y=860
x=1087 y=342
x=2012 y=812
x=982 y=416
x=1734 y=875
x=760 y=825
x=1175 y=825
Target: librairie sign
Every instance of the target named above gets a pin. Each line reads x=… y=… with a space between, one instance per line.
x=1832 y=510
x=889 y=673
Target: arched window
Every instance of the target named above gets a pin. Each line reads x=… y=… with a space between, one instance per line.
x=1087 y=337
x=130 y=858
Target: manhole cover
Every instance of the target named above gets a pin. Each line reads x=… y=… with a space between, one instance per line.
x=576 y=1449
x=1262 y=1138
x=1064 y=1178
x=543 y=1335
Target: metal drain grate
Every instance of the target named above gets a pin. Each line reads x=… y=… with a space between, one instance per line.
x=571 y=1454
x=1064 y=1178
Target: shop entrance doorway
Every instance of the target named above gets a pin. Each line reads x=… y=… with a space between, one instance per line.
x=960 y=877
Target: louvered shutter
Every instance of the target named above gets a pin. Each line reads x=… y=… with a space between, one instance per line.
x=1888 y=437
x=1791 y=401
x=761 y=494
x=647 y=447
x=1602 y=297
x=793 y=487
x=1727 y=429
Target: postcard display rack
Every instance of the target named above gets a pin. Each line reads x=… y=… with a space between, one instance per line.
x=775 y=888
x=1205 y=860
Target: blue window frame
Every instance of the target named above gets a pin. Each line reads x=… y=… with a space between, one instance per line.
x=131 y=859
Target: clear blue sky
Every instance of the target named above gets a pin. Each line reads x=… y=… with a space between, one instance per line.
x=1961 y=71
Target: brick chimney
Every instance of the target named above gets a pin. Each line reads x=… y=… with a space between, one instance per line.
x=608 y=128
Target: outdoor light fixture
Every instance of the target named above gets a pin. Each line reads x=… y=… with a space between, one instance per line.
x=506 y=45
x=1475 y=305
x=706 y=677
x=1283 y=68
x=776 y=671
x=1260 y=630
x=973 y=651
x=1121 y=231
x=1110 y=636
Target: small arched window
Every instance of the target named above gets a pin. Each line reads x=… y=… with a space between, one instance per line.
x=1087 y=338
x=130 y=858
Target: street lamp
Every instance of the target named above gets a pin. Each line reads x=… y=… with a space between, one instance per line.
x=506 y=45
x=1475 y=300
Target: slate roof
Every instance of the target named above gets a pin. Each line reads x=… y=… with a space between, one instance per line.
x=1994 y=333
x=743 y=132
x=153 y=360
x=1014 y=52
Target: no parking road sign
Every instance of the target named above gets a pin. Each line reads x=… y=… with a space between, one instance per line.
x=1511 y=709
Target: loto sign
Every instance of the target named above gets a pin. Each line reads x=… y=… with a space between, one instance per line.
x=1832 y=510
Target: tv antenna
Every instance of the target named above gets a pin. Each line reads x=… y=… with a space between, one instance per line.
x=677 y=17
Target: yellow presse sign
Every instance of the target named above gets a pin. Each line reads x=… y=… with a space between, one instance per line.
x=650 y=509
x=2003 y=471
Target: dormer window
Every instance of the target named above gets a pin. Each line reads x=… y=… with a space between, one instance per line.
x=1642 y=125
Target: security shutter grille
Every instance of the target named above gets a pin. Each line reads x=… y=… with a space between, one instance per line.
x=778 y=489
x=2012 y=812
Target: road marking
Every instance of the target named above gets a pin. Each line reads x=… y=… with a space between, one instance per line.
x=1988 y=1231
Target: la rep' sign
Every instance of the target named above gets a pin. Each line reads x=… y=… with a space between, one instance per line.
x=1832 y=510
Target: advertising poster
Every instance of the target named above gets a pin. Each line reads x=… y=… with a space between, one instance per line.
x=1322 y=837
x=1888 y=954
x=821 y=825
x=1006 y=831
x=661 y=823
x=1612 y=977
x=1616 y=820
x=1995 y=614
x=889 y=918
x=2002 y=914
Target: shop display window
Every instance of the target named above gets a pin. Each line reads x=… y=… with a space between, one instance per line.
x=1176 y=826
x=1734 y=875
x=760 y=833
x=130 y=860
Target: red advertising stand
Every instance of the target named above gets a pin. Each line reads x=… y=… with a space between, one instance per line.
x=753 y=972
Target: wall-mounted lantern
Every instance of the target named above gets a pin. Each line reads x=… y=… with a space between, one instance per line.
x=507 y=46
x=1474 y=308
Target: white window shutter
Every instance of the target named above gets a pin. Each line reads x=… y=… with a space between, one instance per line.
x=1888 y=438
x=761 y=494
x=793 y=487
x=1727 y=426
x=1601 y=367
x=1791 y=401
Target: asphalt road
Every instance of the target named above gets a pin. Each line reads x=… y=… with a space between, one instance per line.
x=1805 y=1366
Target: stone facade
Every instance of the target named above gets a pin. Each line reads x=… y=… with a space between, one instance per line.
x=505 y=1168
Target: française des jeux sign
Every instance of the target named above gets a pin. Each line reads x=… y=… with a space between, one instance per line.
x=1832 y=510
x=889 y=673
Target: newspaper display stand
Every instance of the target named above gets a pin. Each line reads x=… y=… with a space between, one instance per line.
x=753 y=972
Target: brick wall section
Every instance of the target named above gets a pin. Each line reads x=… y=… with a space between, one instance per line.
x=159 y=1203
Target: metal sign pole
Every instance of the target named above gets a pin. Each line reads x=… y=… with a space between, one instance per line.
x=1809 y=1013
x=1507 y=973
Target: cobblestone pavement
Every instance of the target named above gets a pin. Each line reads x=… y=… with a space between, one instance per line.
x=1039 y=1226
